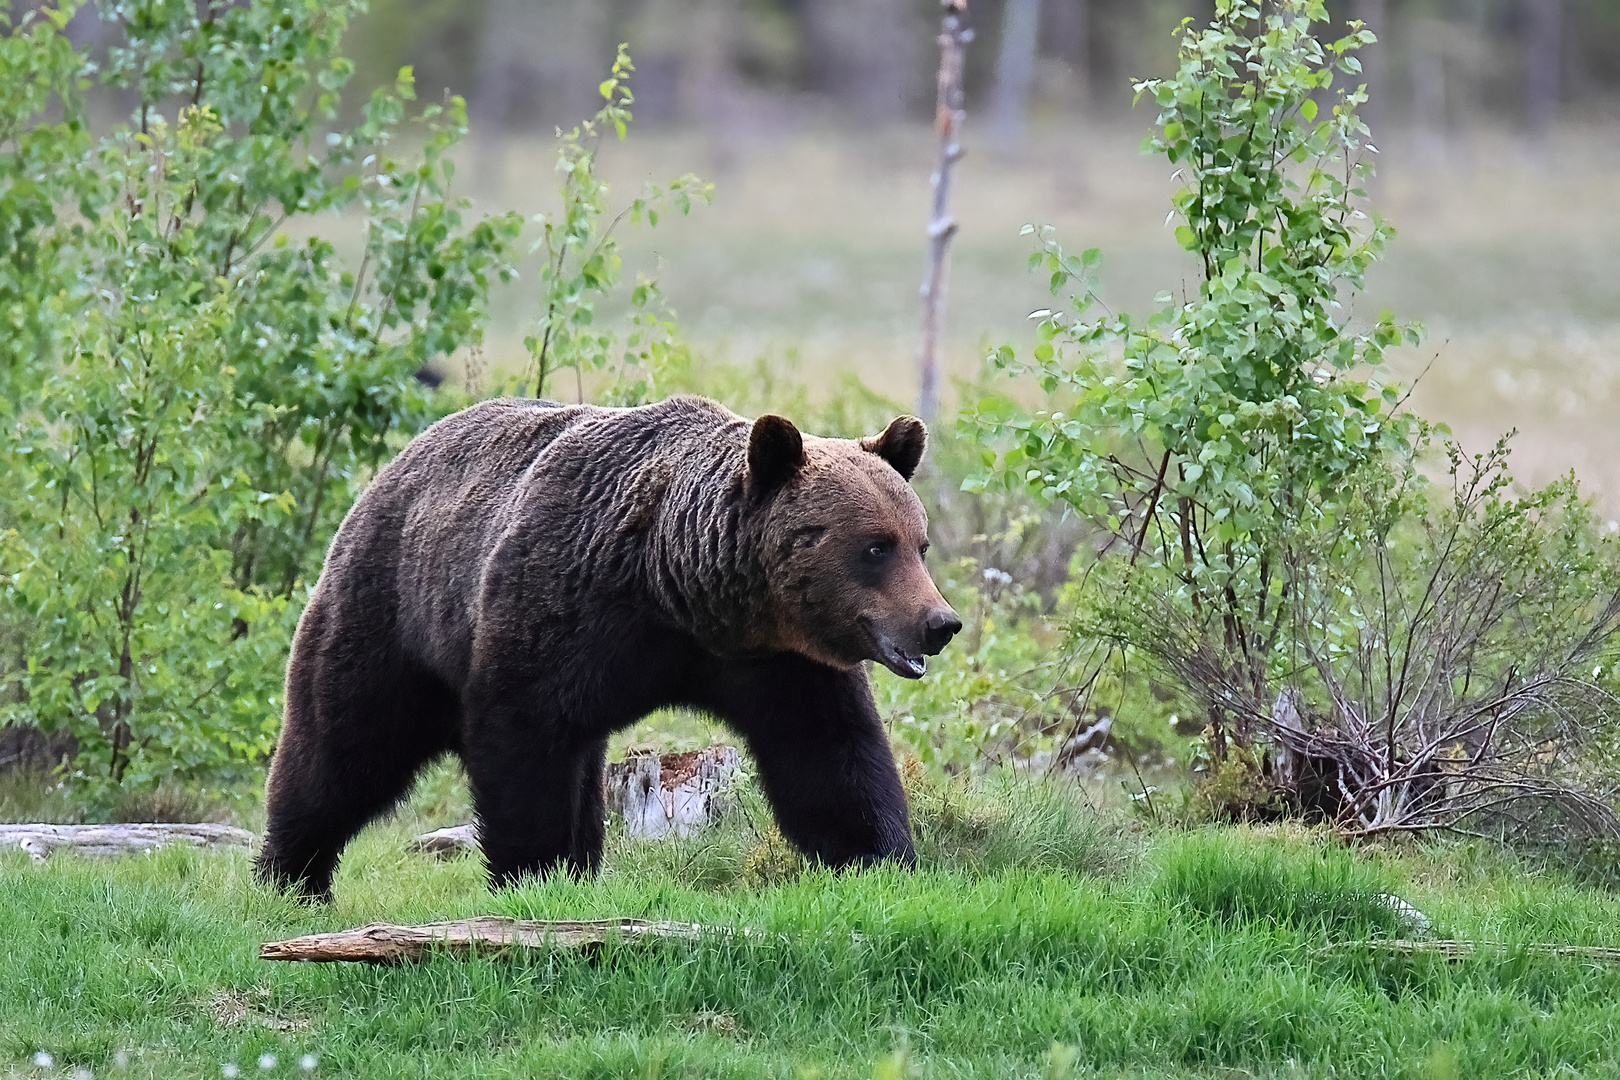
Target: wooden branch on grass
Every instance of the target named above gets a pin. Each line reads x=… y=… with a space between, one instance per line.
x=1462 y=950
x=446 y=842
x=954 y=34
x=382 y=943
x=41 y=840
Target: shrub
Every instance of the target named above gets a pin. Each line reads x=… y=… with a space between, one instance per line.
x=1359 y=646
x=191 y=396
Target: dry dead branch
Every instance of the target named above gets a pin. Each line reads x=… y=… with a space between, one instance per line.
x=1462 y=950
x=40 y=841
x=382 y=943
x=447 y=841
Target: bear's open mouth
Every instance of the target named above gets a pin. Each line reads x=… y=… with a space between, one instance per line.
x=904 y=664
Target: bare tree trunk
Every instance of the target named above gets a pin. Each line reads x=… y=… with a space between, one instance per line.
x=1015 y=70
x=954 y=35
x=1066 y=34
x=864 y=54
x=1373 y=13
x=1542 y=65
x=1428 y=88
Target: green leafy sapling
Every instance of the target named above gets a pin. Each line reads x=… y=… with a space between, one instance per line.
x=580 y=251
x=1204 y=438
x=192 y=395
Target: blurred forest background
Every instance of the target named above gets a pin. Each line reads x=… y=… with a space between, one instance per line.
x=1498 y=123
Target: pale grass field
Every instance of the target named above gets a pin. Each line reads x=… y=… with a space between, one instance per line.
x=812 y=252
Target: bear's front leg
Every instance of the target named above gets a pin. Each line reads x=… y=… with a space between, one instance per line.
x=823 y=757
x=537 y=794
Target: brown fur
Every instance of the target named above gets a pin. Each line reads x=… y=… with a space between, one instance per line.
x=526 y=578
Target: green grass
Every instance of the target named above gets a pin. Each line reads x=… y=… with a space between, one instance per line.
x=1032 y=921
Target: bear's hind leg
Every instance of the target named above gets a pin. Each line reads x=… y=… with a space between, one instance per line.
x=590 y=816
x=339 y=765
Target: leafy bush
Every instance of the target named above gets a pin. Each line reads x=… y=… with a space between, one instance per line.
x=581 y=263
x=1360 y=648
x=195 y=396
x=1199 y=438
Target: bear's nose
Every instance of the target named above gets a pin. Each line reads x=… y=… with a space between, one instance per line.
x=941 y=626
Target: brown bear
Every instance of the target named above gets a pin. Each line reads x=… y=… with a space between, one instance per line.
x=527 y=578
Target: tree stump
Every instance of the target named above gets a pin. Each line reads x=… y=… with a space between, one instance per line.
x=672 y=793
x=41 y=840
x=656 y=795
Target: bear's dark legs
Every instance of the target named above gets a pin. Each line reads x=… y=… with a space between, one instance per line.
x=823 y=757
x=590 y=816
x=537 y=809
x=348 y=752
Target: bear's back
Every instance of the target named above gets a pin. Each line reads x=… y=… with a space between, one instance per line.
x=413 y=550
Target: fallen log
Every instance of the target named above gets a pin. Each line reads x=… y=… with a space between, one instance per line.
x=383 y=943
x=41 y=840
x=1461 y=950
x=447 y=841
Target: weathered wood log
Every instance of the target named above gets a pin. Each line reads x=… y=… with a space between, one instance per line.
x=41 y=840
x=1461 y=950
x=382 y=943
x=447 y=841
x=672 y=793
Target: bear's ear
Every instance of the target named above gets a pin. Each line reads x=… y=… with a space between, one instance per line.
x=901 y=444
x=775 y=452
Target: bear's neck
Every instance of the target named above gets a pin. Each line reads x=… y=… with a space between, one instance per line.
x=704 y=554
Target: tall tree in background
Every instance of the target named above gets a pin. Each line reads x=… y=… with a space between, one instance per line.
x=1015 y=70
x=1375 y=15
x=1542 y=64
x=540 y=62
x=1066 y=35
x=865 y=54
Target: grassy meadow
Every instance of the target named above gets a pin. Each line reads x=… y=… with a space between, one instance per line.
x=812 y=251
x=1051 y=930
x=1042 y=936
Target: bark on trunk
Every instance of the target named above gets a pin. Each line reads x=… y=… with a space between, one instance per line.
x=954 y=35
x=1542 y=65
x=1015 y=70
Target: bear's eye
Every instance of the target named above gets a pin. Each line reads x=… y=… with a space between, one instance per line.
x=922 y=551
x=879 y=550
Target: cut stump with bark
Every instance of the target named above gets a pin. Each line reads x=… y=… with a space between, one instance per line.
x=655 y=795
x=41 y=840
x=383 y=943
x=671 y=793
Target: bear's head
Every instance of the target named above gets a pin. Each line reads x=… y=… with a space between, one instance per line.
x=844 y=542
